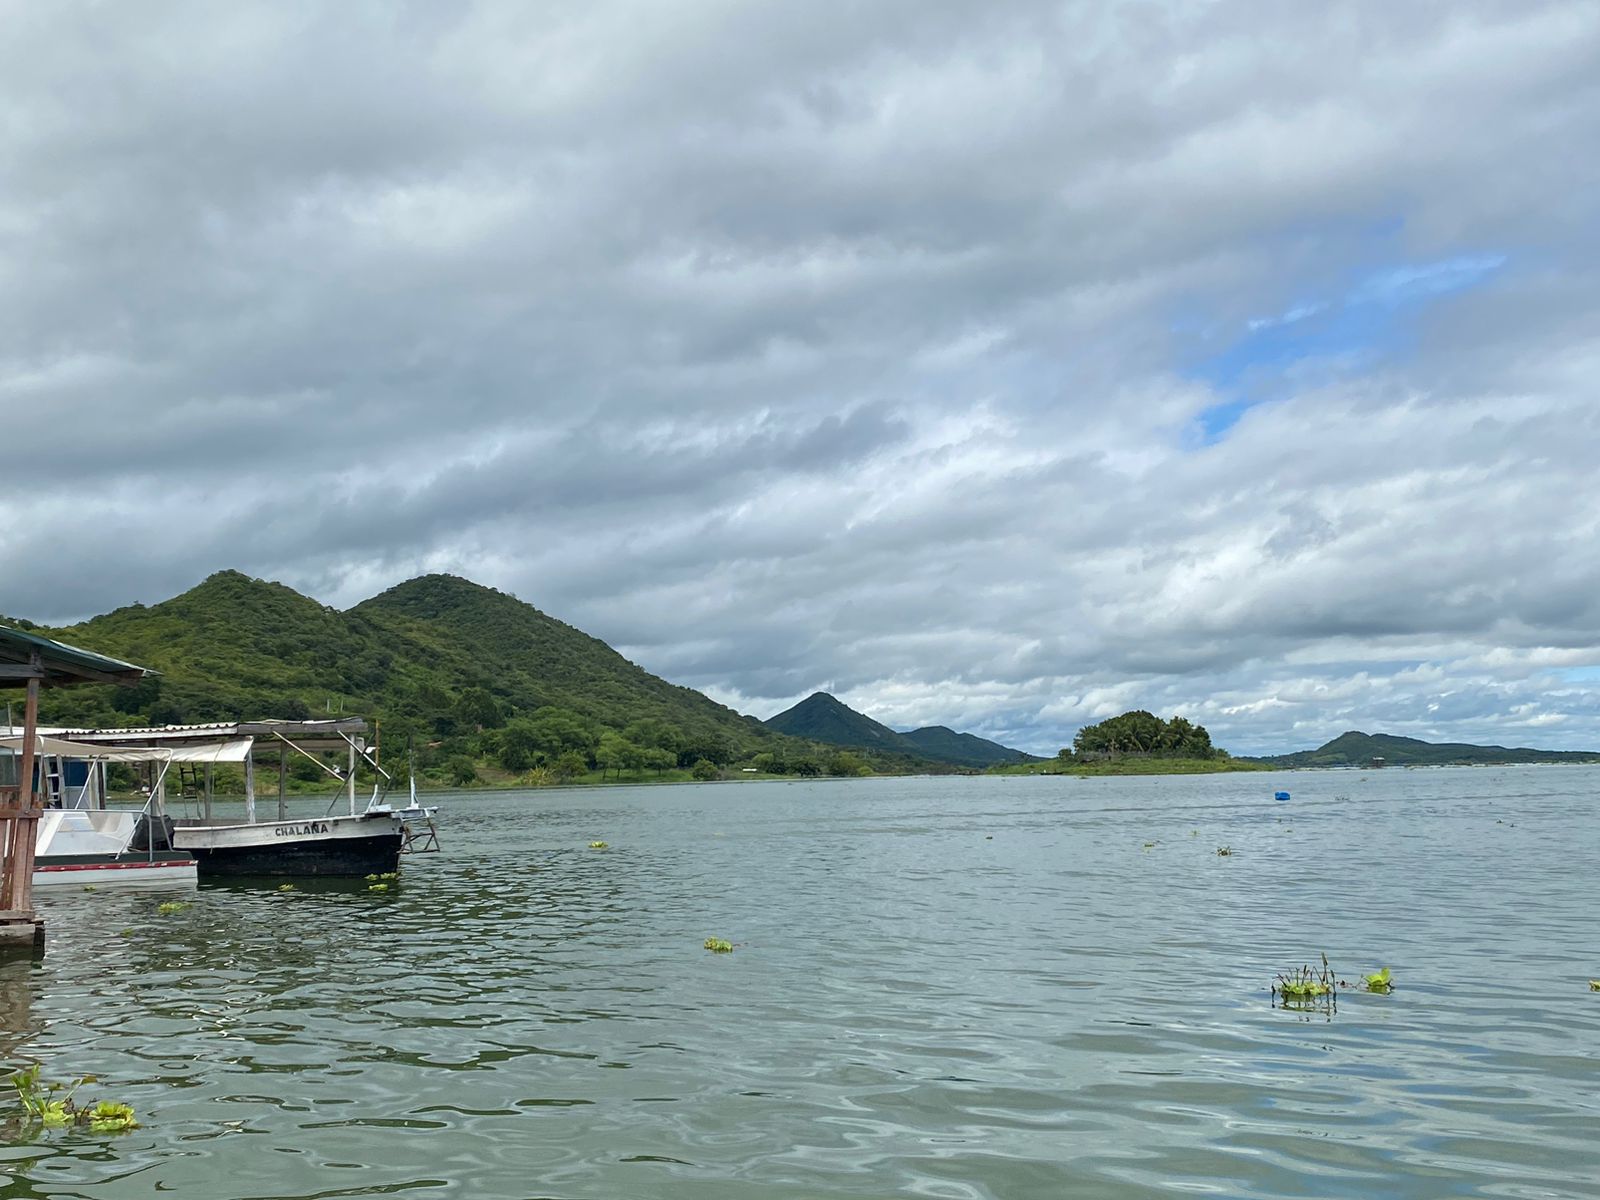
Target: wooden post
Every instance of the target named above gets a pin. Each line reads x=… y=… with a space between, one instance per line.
x=18 y=829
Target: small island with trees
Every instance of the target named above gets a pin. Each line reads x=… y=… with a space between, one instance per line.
x=1137 y=743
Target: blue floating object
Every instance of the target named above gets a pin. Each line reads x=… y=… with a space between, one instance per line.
x=1280 y=795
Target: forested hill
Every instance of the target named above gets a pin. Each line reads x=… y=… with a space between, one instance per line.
x=456 y=666
x=939 y=741
x=1357 y=749
x=824 y=718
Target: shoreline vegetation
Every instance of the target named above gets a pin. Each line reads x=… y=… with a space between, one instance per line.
x=476 y=688
x=1135 y=743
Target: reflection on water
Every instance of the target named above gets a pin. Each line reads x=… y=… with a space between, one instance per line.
x=954 y=988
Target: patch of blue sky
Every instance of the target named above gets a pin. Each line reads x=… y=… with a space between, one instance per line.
x=1316 y=338
x=1407 y=285
x=1579 y=674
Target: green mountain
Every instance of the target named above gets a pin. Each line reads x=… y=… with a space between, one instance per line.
x=456 y=667
x=822 y=718
x=1357 y=749
x=966 y=749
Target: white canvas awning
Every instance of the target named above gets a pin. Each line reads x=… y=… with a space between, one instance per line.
x=236 y=750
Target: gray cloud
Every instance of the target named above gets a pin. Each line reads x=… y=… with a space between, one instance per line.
x=871 y=347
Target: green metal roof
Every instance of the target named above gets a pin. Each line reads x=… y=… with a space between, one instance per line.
x=60 y=665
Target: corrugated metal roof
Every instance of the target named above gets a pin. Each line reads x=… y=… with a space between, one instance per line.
x=65 y=664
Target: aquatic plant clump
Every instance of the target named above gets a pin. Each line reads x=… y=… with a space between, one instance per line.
x=718 y=946
x=51 y=1105
x=599 y=846
x=1306 y=987
x=168 y=907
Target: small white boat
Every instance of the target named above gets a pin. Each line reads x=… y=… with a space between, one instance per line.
x=95 y=846
x=79 y=839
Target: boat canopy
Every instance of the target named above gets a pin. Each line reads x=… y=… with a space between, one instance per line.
x=235 y=750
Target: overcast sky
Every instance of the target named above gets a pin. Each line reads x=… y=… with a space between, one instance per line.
x=998 y=365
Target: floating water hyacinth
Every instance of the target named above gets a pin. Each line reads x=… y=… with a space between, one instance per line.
x=286 y=887
x=599 y=846
x=377 y=887
x=718 y=946
x=45 y=1104
x=108 y=1116
x=1380 y=982
x=1306 y=988
x=1224 y=851
x=1594 y=985
x=167 y=908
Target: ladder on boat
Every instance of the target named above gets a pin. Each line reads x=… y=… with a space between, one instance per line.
x=419 y=834
x=54 y=784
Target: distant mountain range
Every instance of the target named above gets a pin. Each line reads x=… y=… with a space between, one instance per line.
x=1357 y=749
x=823 y=718
x=448 y=664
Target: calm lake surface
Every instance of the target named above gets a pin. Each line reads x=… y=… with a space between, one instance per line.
x=913 y=1008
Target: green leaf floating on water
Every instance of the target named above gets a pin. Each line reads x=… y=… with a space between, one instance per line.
x=718 y=946
x=169 y=907
x=110 y=1117
x=1381 y=982
x=598 y=846
x=1594 y=985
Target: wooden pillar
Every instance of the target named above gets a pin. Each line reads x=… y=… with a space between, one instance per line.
x=18 y=828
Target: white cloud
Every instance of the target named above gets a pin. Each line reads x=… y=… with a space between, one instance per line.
x=848 y=347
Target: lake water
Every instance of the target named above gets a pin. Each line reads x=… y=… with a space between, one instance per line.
x=965 y=988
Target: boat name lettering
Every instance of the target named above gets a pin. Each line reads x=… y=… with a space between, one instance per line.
x=301 y=830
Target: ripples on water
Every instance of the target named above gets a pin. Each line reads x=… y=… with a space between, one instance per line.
x=913 y=1008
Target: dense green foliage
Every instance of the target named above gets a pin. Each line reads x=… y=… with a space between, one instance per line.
x=1141 y=734
x=822 y=718
x=1356 y=749
x=482 y=685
